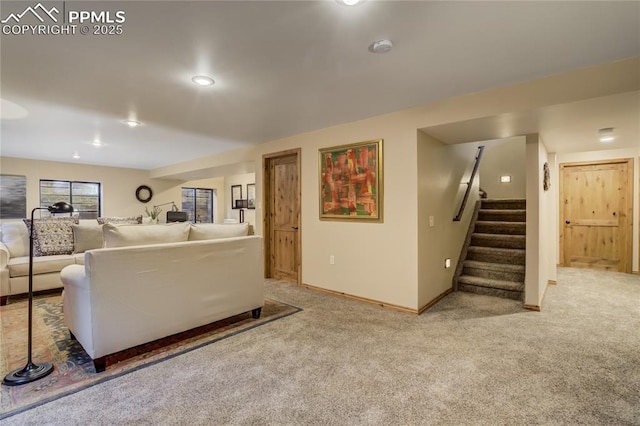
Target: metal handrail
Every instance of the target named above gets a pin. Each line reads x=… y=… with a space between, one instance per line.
x=469 y=184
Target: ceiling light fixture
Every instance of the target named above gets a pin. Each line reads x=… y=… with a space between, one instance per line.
x=381 y=46
x=96 y=143
x=203 y=80
x=349 y=2
x=76 y=155
x=132 y=123
x=606 y=134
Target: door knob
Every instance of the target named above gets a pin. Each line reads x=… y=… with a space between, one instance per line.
x=295 y=228
x=567 y=222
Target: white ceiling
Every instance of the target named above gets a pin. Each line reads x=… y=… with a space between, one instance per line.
x=282 y=68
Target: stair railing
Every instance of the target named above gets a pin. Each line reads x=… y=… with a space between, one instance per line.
x=476 y=164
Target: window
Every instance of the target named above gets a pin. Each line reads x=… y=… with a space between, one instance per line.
x=199 y=203
x=85 y=197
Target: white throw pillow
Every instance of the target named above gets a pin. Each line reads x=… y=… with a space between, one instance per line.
x=87 y=237
x=138 y=235
x=214 y=231
x=120 y=220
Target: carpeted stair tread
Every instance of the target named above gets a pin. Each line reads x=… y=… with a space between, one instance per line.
x=510 y=215
x=494 y=271
x=491 y=283
x=494 y=266
x=501 y=227
x=498 y=240
x=494 y=292
x=496 y=255
x=501 y=204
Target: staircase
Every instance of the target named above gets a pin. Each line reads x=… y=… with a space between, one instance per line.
x=495 y=252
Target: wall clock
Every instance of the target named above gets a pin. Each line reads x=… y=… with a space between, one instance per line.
x=144 y=194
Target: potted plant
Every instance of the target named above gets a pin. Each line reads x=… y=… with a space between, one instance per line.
x=154 y=213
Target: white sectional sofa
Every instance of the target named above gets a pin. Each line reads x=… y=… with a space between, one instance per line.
x=87 y=235
x=14 y=260
x=154 y=281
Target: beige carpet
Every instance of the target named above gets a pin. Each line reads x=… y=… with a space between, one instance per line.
x=471 y=359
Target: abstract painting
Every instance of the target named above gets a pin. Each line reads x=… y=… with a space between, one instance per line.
x=13 y=197
x=351 y=182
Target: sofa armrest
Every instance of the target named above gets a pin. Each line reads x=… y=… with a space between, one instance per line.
x=5 y=255
x=75 y=276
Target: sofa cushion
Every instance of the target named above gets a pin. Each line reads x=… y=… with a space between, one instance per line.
x=19 y=266
x=135 y=235
x=87 y=237
x=52 y=236
x=132 y=220
x=214 y=231
x=16 y=238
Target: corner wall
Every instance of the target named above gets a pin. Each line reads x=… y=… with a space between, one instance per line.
x=539 y=226
x=442 y=170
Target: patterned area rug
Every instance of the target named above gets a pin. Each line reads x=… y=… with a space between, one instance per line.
x=73 y=368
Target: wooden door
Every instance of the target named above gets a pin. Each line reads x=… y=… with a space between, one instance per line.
x=282 y=215
x=596 y=211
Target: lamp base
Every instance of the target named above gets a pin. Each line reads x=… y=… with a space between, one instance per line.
x=29 y=373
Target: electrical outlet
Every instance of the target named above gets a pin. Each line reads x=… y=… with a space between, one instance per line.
x=332 y=260
x=432 y=221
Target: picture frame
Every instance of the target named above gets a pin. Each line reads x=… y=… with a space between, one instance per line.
x=251 y=195
x=13 y=196
x=236 y=194
x=351 y=182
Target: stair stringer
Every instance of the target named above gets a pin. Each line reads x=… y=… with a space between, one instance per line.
x=465 y=246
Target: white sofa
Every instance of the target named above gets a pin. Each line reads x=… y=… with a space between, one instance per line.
x=14 y=261
x=128 y=294
x=87 y=235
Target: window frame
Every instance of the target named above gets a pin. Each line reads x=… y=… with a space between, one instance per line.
x=70 y=184
x=192 y=213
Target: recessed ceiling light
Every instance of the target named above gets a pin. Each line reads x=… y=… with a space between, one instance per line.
x=349 y=2
x=132 y=123
x=606 y=134
x=381 y=46
x=203 y=80
x=76 y=155
x=96 y=142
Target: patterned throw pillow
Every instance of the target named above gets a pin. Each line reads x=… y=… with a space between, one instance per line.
x=52 y=236
x=131 y=220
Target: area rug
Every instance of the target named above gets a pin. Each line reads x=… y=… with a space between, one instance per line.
x=73 y=368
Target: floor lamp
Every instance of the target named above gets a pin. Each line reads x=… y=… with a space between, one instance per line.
x=32 y=372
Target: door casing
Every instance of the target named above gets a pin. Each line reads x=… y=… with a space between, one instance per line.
x=626 y=209
x=267 y=192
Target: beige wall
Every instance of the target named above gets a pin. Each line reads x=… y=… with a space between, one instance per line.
x=504 y=157
x=118 y=184
x=441 y=170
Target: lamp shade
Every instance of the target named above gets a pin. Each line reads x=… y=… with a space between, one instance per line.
x=60 y=207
